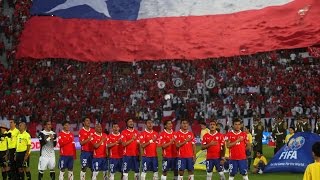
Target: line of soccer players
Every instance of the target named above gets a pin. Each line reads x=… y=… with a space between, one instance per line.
x=127 y=149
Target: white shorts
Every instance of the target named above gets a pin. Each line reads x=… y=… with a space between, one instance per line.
x=46 y=163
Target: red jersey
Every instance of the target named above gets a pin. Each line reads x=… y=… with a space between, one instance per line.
x=238 y=151
x=133 y=148
x=116 y=151
x=171 y=150
x=84 y=135
x=101 y=151
x=186 y=150
x=151 y=149
x=214 y=151
x=66 y=143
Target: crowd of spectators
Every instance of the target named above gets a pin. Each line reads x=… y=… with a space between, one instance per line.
x=11 y=26
x=265 y=84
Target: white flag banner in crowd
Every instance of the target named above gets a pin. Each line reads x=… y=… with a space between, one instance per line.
x=161 y=84
x=210 y=83
x=177 y=82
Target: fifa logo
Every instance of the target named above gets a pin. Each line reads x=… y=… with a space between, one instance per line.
x=290 y=151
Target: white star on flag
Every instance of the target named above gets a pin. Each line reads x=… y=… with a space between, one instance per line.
x=98 y=5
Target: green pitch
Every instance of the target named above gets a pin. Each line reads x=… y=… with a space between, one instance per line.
x=199 y=175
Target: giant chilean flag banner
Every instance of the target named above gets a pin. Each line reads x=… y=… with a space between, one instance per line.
x=128 y=30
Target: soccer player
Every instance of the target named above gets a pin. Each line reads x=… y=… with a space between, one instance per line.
x=237 y=142
x=85 y=136
x=67 y=151
x=116 y=150
x=148 y=141
x=3 y=152
x=131 y=150
x=48 y=140
x=23 y=151
x=313 y=170
x=214 y=143
x=185 y=142
x=99 y=161
x=12 y=144
x=169 y=151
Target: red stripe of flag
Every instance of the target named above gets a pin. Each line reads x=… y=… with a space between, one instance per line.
x=193 y=37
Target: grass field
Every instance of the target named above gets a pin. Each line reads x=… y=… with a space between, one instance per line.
x=199 y=175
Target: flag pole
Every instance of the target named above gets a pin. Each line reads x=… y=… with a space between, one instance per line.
x=204 y=94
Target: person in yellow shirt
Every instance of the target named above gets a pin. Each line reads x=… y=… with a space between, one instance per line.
x=259 y=163
x=225 y=162
x=12 y=143
x=23 y=151
x=249 y=151
x=291 y=133
x=313 y=170
x=3 y=152
x=249 y=135
x=204 y=129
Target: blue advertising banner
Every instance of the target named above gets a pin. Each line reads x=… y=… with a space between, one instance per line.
x=295 y=156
